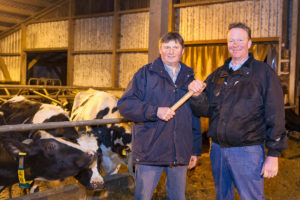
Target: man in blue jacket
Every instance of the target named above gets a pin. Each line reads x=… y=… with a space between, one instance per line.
x=163 y=140
x=244 y=101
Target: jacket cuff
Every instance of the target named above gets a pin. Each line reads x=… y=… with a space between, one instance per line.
x=152 y=113
x=273 y=153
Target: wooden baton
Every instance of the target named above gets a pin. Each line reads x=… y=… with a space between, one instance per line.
x=182 y=100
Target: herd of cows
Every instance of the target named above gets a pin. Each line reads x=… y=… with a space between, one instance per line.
x=87 y=153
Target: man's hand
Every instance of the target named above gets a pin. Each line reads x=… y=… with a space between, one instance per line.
x=193 y=162
x=197 y=87
x=270 y=167
x=165 y=113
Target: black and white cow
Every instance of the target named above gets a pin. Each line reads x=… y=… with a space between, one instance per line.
x=20 y=110
x=48 y=157
x=115 y=140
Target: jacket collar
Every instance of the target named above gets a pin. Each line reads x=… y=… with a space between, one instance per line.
x=244 y=70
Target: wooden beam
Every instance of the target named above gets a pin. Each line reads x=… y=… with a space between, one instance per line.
x=3 y=28
x=93 y=15
x=32 y=18
x=91 y=52
x=4 y=69
x=10 y=20
x=37 y=3
x=62 y=49
x=33 y=62
x=13 y=10
x=10 y=54
x=116 y=39
x=158 y=25
x=284 y=32
x=133 y=11
x=131 y=50
x=203 y=2
x=171 y=16
x=23 y=69
x=293 y=48
x=70 y=61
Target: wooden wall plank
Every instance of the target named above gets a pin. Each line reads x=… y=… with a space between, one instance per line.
x=256 y=19
x=202 y=22
x=264 y=18
x=209 y=23
x=249 y=14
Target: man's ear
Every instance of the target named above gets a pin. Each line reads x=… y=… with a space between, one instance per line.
x=249 y=44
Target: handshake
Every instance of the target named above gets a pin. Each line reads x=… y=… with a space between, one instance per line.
x=197 y=86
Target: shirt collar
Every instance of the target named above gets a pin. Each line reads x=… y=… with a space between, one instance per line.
x=234 y=68
x=170 y=71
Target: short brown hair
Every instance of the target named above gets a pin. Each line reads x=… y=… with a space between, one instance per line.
x=172 y=36
x=242 y=26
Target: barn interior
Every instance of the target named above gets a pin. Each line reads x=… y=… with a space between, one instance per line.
x=51 y=49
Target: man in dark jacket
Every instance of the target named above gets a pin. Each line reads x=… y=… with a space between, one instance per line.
x=244 y=102
x=162 y=139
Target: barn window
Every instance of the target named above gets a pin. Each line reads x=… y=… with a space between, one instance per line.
x=46 y=68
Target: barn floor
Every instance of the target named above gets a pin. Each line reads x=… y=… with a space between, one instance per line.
x=286 y=185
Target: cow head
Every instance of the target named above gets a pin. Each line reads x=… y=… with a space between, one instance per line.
x=91 y=178
x=50 y=158
x=115 y=146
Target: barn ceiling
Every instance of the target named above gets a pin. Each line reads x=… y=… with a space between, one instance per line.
x=15 y=12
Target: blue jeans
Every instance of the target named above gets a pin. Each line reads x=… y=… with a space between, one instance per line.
x=147 y=178
x=238 y=167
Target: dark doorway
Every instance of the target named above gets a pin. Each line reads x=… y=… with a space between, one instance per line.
x=46 y=68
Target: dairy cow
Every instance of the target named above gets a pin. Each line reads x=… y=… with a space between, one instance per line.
x=20 y=110
x=115 y=140
x=47 y=157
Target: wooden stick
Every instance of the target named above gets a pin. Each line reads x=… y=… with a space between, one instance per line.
x=182 y=100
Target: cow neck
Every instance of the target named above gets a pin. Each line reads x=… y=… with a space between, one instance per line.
x=21 y=172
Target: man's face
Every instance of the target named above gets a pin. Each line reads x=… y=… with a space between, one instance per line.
x=238 y=44
x=171 y=53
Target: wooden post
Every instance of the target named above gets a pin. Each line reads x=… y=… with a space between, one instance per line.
x=4 y=69
x=116 y=34
x=23 y=66
x=171 y=16
x=293 y=47
x=158 y=25
x=70 y=62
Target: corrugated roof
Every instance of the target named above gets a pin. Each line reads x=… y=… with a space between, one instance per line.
x=14 y=12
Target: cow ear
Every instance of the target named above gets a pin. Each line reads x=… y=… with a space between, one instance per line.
x=14 y=147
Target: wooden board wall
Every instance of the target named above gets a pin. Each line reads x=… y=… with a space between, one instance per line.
x=93 y=33
x=210 y=22
x=13 y=66
x=134 y=31
x=10 y=48
x=47 y=35
x=11 y=43
x=92 y=70
x=129 y=64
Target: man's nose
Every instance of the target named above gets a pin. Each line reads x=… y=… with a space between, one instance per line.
x=171 y=50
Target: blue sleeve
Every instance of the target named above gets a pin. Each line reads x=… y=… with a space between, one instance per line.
x=197 y=136
x=131 y=104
